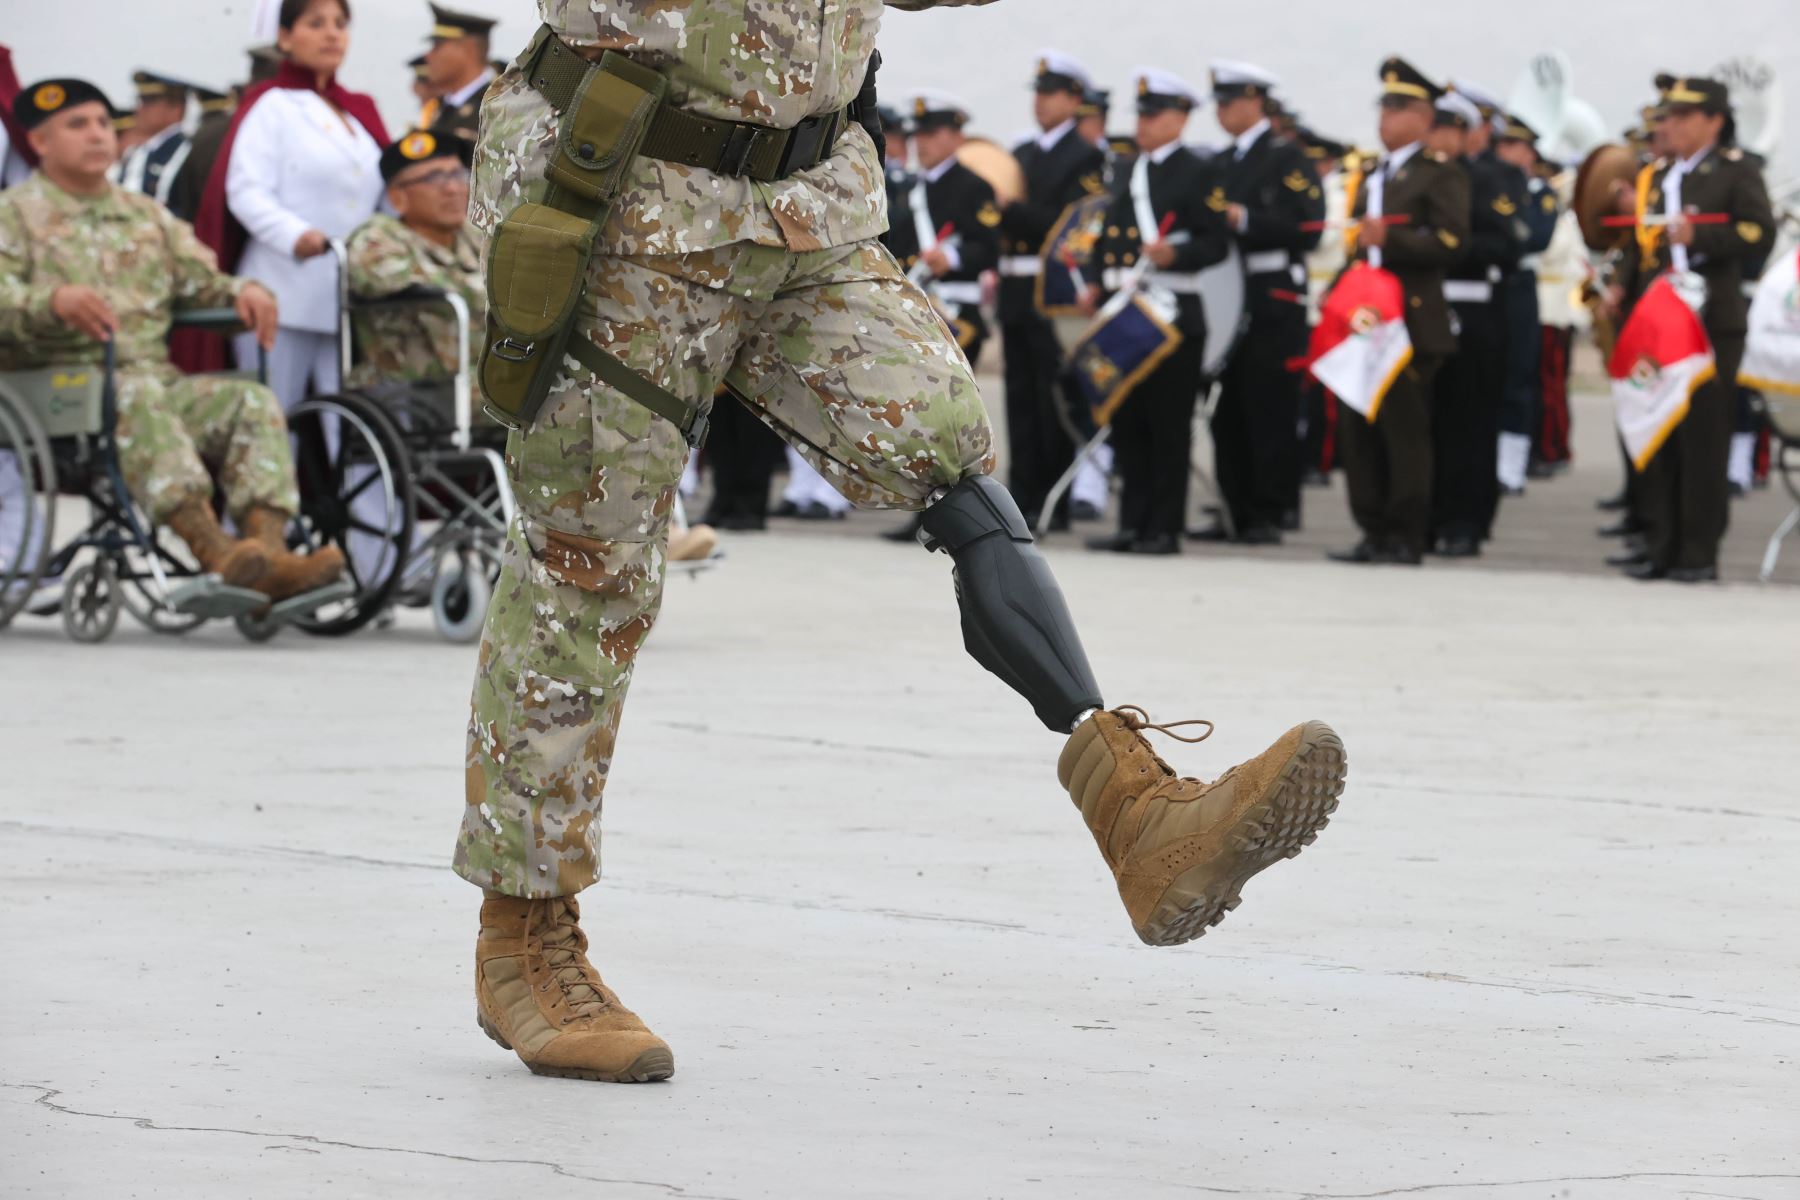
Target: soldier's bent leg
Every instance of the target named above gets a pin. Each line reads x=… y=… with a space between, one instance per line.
x=895 y=418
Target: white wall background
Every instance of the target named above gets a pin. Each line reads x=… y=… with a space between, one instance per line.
x=1326 y=50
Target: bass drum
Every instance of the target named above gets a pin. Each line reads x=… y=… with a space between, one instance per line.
x=1222 y=296
x=997 y=166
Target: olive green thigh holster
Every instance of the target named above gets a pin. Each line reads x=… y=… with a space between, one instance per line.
x=537 y=265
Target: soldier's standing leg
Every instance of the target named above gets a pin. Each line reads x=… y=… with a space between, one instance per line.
x=1172 y=446
x=1233 y=462
x=1705 y=487
x=1364 y=458
x=1276 y=337
x=1404 y=426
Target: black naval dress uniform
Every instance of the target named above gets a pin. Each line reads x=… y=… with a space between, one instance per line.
x=1256 y=425
x=1387 y=464
x=196 y=167
x=459 y=114
x=1039 y=445
x=1685 y=493
x=1152 y=432
x=1471 y=387
x=963 y=200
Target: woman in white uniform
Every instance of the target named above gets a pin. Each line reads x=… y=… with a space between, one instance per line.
x=304 y=169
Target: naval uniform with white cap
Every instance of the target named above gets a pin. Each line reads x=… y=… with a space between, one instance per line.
x=1152 y=432
x=1060 y=168
x=1471 y=387
x=1387 y=462
x=1267 y=192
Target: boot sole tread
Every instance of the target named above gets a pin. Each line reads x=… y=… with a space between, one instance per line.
x=1279 y=827
x=652 y=1066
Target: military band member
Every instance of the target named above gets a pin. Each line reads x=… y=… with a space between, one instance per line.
x=161 y=108
x=422 y=89
x=1469 y=389
x=1685 y=491
x=1161 y=214
x=456 y=67
x=194 y=162
x=1267 y=192
x=1521 y=407
x=1060 y=168
x=1387 y=463
x=85 y=262
x=427 y=243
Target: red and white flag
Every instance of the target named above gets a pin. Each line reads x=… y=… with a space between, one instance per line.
x=1662 y=358
x=1360 y=345
x=1772 y=349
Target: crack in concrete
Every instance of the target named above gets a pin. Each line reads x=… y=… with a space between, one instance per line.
x=46 y=1098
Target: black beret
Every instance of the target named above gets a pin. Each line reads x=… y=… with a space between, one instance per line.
x=422 y=145
x=41 y=101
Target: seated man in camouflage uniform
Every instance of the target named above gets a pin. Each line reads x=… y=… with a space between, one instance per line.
x=84 y=262
x=427 y=243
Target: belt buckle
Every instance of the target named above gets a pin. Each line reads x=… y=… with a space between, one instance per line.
x=802 y=146
x=695 y=433
x=740 y=144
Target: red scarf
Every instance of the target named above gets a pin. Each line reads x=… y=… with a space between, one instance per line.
x=193 y=351
x=214 y=222
x=9 y=88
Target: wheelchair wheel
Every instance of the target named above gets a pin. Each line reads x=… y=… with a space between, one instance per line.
x=355 y=494
x=460 y=595
x=27 y=506
x=91 y=601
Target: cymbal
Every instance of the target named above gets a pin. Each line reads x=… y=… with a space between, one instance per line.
x=1596 y=185
x=995 y=164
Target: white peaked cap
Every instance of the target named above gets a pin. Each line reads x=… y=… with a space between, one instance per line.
x=1056 y=62
x=1156 y=81
x=1229 y=74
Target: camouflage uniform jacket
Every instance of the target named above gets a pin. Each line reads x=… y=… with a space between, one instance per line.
x=412 y=343
x=146 y=263
x=770 y=62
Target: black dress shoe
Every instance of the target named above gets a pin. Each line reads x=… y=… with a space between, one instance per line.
x=786 y=508
x=1157 y=543
x=1706 y=574
x=1458 y=547
x=1290 y=521
x=1115 y=543
x=1612 y=503
x=1537 y=468
x=1363 y=552
x=1623 y=527
x=1081 y=510
x=1513 y=490
x=1646 y=570
x=1629 y=558
x=740 y=522
x=815 y=510
x=1399 y=554
x=1260 y=535
x=1209 y=533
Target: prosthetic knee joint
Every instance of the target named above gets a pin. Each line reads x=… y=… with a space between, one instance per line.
x=1013 y=617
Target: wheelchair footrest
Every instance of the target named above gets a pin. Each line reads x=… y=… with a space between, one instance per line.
x=307 y=603
x=213 y=598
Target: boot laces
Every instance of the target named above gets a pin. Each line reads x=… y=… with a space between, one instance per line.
x=564 y=945
x=1137 y=720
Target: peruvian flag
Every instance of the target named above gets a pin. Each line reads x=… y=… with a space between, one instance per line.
x=1661 y=359
x=1360 y=344
x=1772 y=350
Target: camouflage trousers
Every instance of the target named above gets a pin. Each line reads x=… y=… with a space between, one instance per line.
x=172 y=427
x=834 y=349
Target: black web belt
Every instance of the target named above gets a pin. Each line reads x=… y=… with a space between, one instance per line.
x=555 y=69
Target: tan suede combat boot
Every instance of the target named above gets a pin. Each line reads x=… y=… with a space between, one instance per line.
x=538 y=995
x=240 y=563
x=1181 y=849
x=290 y=573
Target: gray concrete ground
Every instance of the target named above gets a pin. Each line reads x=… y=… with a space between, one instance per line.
x=1545 y=949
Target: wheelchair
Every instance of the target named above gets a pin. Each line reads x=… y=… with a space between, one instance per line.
x=1782 y=410
x=460 y=502
x=57 y=451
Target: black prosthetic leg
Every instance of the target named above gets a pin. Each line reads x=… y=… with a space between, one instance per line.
x=1013 y=617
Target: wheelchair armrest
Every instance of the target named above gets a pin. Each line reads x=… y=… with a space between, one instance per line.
x=217 y=320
